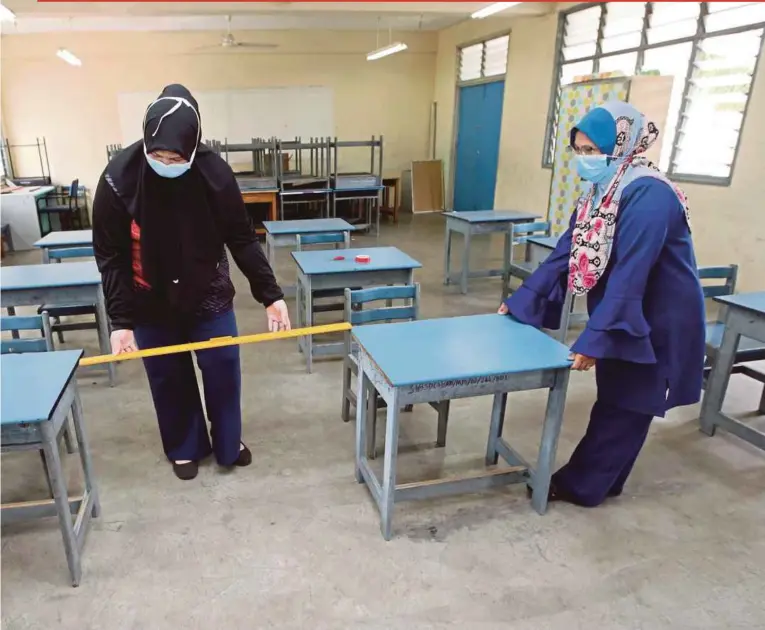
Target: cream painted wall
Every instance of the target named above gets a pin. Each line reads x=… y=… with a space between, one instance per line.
x=75 y=109
x=728 y=222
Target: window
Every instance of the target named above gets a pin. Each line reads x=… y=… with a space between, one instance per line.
x=711 y=50
x=484 y=60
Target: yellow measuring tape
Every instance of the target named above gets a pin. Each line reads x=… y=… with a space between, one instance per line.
x=218 y=342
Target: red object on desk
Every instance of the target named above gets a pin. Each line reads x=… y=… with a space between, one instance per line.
x=362 y=258
x=339 y=258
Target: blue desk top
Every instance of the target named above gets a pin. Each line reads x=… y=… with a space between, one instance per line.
x=381 y=259
x=431 y=350
x=75 y=274
x=749 y=301
x=493 y=216
x=33 y=383
x=548 y=242
x=307 y=226
x=73 y=238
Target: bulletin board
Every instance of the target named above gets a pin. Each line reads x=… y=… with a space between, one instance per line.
x=651 y=95
x=575 y=101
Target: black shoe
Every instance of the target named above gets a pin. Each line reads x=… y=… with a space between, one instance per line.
x=245 y=457
x=186 y=471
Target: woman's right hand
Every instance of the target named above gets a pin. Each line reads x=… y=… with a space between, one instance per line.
x=123 y=341
x=503 y=310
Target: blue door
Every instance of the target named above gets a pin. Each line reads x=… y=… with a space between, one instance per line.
x=477 y=155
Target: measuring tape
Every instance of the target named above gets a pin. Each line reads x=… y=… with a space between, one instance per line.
x=218 y=342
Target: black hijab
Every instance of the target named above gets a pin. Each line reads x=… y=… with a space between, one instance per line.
x=181 y=242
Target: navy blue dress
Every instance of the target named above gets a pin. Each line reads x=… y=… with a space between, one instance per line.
x=646 y=330
x=646 y=326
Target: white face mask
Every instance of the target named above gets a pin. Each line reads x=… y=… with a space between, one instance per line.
x=171 y=171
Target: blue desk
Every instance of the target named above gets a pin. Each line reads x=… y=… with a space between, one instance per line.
x=471 y=224
x=71 y=283
x=39 y=392
x=284 y=234
x=64 y=240
x=317 y=270
x=443 y=359
x=744 y=316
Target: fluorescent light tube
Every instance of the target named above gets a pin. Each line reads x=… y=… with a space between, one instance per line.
x=492 y=9
x=390 y=49
x=6 y=15
x=70 y=58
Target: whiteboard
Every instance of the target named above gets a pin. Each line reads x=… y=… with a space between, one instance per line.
x=240 y=115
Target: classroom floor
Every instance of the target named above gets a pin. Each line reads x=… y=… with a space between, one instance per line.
x=293 y=542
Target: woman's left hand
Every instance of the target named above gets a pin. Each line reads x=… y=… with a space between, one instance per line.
x=581 y=363
x=278 y=316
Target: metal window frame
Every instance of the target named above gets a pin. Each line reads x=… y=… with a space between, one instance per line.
x=696 y=39
x=482 y=41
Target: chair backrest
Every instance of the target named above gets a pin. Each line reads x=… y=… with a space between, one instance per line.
x=17 y=323
x=523 y=231
x=70 y=252
x=726 y=276
x=356 y=315
x=324 y=238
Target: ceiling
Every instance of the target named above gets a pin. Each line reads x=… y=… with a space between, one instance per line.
x=38 y=17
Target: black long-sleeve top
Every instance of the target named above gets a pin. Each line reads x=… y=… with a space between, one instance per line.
x=130 y=301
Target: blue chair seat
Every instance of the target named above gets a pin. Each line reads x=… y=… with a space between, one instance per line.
x=748 y=349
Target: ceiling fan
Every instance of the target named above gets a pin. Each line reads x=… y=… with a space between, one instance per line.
x=229 y=42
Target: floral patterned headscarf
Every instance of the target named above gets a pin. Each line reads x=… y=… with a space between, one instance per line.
x=596 y=213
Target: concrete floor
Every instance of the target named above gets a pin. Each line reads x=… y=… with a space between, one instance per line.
x=294 y=542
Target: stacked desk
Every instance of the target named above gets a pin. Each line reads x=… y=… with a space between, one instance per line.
x=471 y=224
x=260 y=190
x=443 y=359
x=39 y=392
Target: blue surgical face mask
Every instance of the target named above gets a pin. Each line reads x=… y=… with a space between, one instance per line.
x=595 y=168
x=170 y=171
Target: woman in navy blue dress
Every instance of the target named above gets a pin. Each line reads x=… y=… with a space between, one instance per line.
x=628 y=248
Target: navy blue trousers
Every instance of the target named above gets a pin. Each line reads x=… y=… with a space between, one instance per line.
x=604 y=457
x=175 y=391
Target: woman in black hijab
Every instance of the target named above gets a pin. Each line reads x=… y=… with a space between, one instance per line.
x=164 y=209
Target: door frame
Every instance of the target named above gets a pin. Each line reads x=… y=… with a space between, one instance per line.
x=449 y=201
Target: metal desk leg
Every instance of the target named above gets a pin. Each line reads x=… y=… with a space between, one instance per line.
x=363 y=386
x=61 y=499
x=103 y=334
x=389 y=468
x=45 y=255
x=378 y=204
x=465 y=263
x=299 y=310
x=270 y=250
x=565 y=318
x=447 y=255
x=495 y=430
x=308 y=321
x=443 y=422
x=717 y=384
x=556 y=401
x=87 y=463
x=507 y=257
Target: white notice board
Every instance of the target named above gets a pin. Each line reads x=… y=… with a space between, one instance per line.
x=240 y=115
